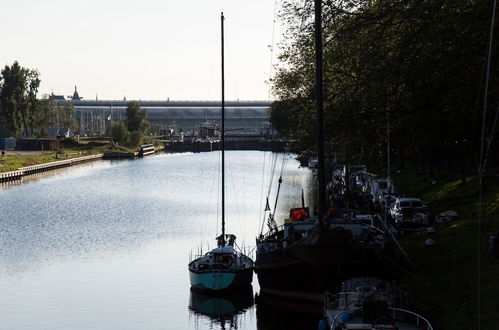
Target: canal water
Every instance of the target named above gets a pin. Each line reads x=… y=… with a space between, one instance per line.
x=105 y=245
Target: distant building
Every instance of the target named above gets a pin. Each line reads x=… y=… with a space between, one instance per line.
x=53 y=97
x=7 y=144
x=246 y=117
x=76 y=97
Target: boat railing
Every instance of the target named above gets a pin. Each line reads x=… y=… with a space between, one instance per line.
x=297 y=225
x=375 y=230
x=329 y=299
x=338 y=318
x=420 y=321
x=396 y=313
x=272 y=232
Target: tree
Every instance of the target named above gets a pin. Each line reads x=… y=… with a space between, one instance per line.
x=154 y=129
x=31 y=108
x=409 y=62
x=136 y=139
x=18 y=89
x=134 y=116
x=50 y=114
x=119 y=132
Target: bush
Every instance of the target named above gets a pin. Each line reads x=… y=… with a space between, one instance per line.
x=70 y=143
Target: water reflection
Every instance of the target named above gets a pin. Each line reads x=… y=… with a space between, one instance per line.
x=105 y=245
x=221 y=310
x=276 y=313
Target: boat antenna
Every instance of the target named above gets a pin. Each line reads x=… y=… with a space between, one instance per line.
x=320 y=110
x=223 y=130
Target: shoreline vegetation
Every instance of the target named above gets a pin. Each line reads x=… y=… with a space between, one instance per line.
x=449 y=287
x=406 y=85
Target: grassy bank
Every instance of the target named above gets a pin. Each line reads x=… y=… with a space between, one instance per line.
x=69 y=149
x=451 y=269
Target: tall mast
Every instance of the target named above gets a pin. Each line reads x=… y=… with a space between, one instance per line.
x=319 y=102
x=223 y=131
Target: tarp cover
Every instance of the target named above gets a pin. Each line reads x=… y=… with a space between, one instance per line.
x=225 y=249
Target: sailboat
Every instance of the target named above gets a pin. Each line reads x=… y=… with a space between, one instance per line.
x=222 y=268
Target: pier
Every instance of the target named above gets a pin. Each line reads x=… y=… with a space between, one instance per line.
x=145 y=150
x=232 y=142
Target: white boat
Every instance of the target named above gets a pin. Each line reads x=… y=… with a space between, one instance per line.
x=222 y=268
x=368 y=303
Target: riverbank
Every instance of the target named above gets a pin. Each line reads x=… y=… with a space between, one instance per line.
x=451 y=268
x=28 y=170
x=14 y=159
x=16 y=164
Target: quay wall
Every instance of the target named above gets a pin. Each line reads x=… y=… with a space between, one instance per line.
x=206 y=146
x=28 y=170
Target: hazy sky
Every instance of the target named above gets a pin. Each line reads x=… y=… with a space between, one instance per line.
x=141 y=49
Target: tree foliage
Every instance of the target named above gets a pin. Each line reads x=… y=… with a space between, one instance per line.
x=18 y=102
x=119 y=132
x=134 y=116
x=136 y=138
x=410 y=68
x=50 y=114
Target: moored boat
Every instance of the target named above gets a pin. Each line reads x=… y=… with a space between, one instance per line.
x=308 y=256
x=368 y=303
x=222 y=268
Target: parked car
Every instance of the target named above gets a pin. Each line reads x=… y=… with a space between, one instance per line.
x=387 y=201
x=379 y=188
x=409 y=211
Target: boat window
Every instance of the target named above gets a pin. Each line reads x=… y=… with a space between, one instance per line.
x=405 y=204
x=417 y=204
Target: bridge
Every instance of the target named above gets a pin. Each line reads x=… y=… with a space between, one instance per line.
x=248 y=116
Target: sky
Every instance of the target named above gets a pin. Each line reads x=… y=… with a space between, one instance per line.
x=142 y=49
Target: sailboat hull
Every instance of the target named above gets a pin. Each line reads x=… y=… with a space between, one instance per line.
x=291 y=274
x=218 y=280
x=318 y=262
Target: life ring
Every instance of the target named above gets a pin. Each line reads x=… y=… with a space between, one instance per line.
x=227 y=261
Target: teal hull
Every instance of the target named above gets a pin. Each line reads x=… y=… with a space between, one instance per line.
x=218 y=280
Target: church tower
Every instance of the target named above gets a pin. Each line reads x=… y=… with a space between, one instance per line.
x=76 y=97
